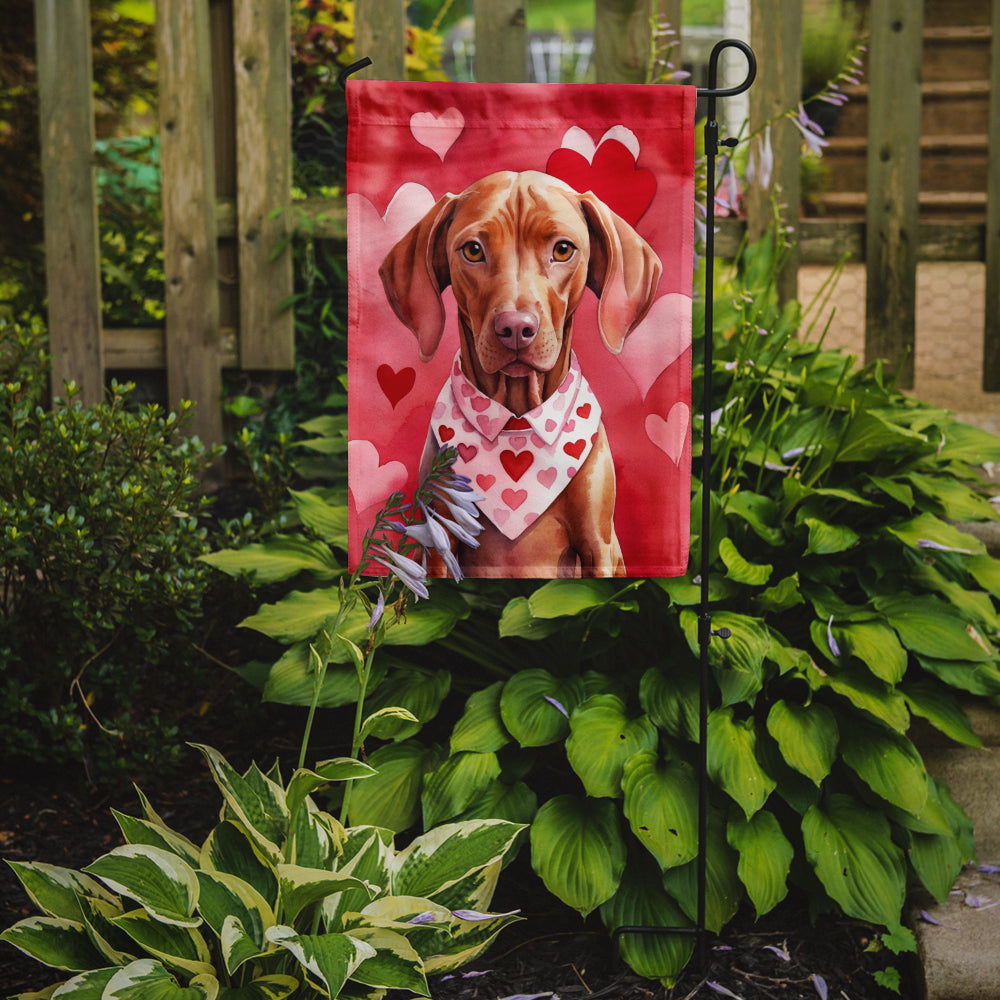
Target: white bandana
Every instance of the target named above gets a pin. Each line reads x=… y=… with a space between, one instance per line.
x=518 y=464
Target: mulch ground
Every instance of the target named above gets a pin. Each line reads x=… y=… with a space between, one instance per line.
x=550 y=953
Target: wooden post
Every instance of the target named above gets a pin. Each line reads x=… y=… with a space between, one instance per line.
x=622 y=40
x=501 y=41
x=893 y=183
x=776 y=35
x=380 y=34
x=190 y=254
x=72 y=255
x=991 y=333
x=668 y=12
x=262 y=61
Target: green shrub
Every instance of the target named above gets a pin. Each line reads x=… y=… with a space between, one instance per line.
x=101 y=584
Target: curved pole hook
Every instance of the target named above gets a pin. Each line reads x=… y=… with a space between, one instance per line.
x=353 y=68
x=712 y=90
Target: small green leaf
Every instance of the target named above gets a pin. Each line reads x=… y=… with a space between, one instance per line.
x=888 y=763
x=279 y=558
x=807 y=736
x=828 y=539
x=671 y=700
x=941 y=709
x=732 y=760
x=481 y=727
x=765 y=858
x=932 y=628
x=301 y=887
x=562 y=598
x=391 y=798
x=535 y=706
x=456 y=784
x=739 y=569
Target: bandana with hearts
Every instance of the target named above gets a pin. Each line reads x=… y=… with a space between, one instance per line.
x=518 y=464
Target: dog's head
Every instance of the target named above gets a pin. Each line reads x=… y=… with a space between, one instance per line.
x=518 y=250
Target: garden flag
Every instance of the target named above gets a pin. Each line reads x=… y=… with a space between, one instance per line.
x=520 y=275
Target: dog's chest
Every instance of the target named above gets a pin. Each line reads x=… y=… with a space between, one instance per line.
x=519 y=465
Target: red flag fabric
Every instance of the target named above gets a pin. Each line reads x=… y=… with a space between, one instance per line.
x=520 y=276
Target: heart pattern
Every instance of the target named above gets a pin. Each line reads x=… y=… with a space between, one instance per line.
x=395 y=385
x=658 y=341
x=670 y=434
x=437 y=132
x=370 y=481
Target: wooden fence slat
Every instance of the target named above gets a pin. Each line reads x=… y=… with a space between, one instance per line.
x=776 y=36
x=991 y=331
x=621 y=40
x=380 y=34
x=892 y=215
x=501 y=41
x=262 y=61
x=72 y=255
x=190 y=253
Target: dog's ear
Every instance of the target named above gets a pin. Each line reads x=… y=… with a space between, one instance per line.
x=415 y=272
x=623 y=271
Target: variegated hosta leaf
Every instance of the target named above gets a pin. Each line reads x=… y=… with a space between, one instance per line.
x=481 y=727
x=158 y=880
x=225 y=897
x=456 y=784
x=850 y=847
x=475 y=891
x=230 y=849
x=578 y=851
x=177 y=947
x=441 y=857
x=116 y=947
x=256 y=801
x=732 y=760
x=367 y=853
x=141 y=831
x=467 y=940
x=54 y=941
x=304 y=782
x=642 y=902
x=56 y=891
x=301 y=887
x=275 y=987
x=329 y=959
x=661 y=805
x=147 y=979
x=391 y=799
x=87 y=986
x=602 y=737
x=315 y=838
x=395 y=964
x=765 y=858
x=807 y=736
x=888 y=763
x=535 y=706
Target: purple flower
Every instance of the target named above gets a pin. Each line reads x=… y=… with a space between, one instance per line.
x=410 y=573
x=811 y=132
x=558 y=705
x=927 y=543
x=475 y=915
x=761 y=163
x=719 y=988
x=820 y=983
x=427 y=917
x=377 y=612
x=780 y=952
x=834 y=648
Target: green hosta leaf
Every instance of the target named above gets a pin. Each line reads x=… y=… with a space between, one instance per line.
x=292 y=681
x=957 y=501
x=226 y=898
x=231 y=850
x=723 y=889
x=937 y=859
x=783 y=595
x=274 y=987
x=732 y=760
x=301 y=887
x=481 y=728
x=180 y=948
x=986 y=572
x=56 y=891
x=807 y=736
x=159 y=881
x=387 y=723
x=975 y=605
x=671 y=700
x=535 y=706
x=876 y=646
x=327 y=520
x=976 y=678
x=893 y=488
x=931 y=628
x=141 y=831
x=751 y=574
x=602 y=738
x=578 y=851
x=516 y=803
x=765 y=858
x=415 y=689
x=758 y=511
x=941 y=709
x=391 y=798
x=395 y=964
x=259 y=805
x=888 y=763
x=440 y=858
x=517 y=620
x=147 y=979
x=928 y=528
x=864 y=691
x=661 y=799
x=965 y=443
x=456 y=784
x=641 y=901
x=54 y=941
x=850 y=847
x=827 y=539
x=304 y=782
x=683 y=592
x=738 y=661
x=279 y=558
x=561 y=598
x=870 y=436
x=330 y=959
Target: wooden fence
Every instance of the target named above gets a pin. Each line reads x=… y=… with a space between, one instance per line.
x=226 y=161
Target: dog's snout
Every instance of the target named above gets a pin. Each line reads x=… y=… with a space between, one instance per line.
x=516 y=330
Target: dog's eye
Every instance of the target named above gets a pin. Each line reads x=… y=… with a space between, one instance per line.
x=473 y=252
x=563 y=251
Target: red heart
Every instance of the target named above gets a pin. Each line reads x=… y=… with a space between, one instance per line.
x=612 y=175
x=516 y=464
x=514 y=498
x=485 y=482
x=517 y=424
x=395 y=385
x=446 y=433
x=575 y=448
x=467 y=452
x=583 y=411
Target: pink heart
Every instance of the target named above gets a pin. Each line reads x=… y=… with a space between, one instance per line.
x=514 y=498
x=500 y=515
x=658 y=341
x=438 y=412
x=467 y=451
x=484 y=482
x=518 y=441
x=437 y=132
x=480 y=404
x=547 y=477
x=370 y=482
x=669 y=435
x=550 y=425
x=467 y=390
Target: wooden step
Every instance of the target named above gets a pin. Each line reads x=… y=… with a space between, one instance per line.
x=945 y=12
x=956 y=53
x=957 y=206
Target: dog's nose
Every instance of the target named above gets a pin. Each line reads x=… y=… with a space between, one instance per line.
x=515 y=330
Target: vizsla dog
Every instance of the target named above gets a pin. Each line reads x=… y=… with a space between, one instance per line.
x=519 y=250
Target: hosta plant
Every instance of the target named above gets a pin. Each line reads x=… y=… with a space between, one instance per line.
x=279 y=900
